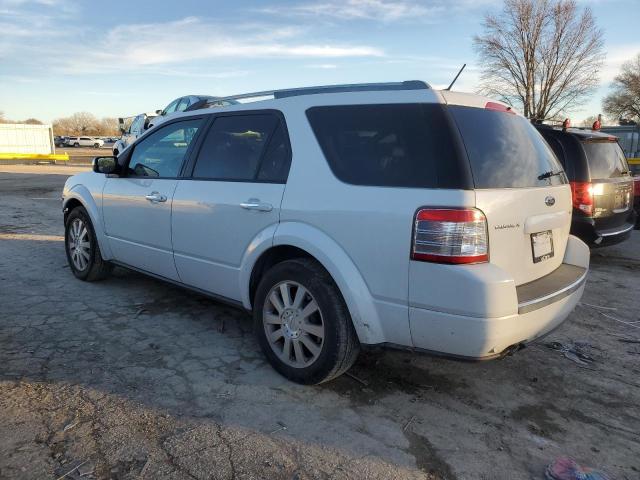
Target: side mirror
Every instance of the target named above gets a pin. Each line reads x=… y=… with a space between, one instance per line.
x=105 y=165
x=158 y=112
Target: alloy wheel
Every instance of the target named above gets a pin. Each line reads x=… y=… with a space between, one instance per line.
x=79 y=244
x=293 y=324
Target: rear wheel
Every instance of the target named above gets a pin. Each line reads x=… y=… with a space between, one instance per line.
x=83 y=251
x=302 y=323
x=76 y=144
x=96 y=145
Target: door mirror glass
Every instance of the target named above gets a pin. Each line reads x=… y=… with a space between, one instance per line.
x=105 y=165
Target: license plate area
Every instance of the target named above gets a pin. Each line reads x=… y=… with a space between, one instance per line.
x=622 y=201
x=542 y=246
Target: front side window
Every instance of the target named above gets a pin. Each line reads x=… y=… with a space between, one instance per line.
x=184 y=103
x=245 y=148
x=161 y=153
x=171 y=107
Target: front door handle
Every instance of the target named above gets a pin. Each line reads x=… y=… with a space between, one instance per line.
x=155 y=197
x=255 y=204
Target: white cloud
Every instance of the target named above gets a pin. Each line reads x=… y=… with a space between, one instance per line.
x=384 y=10
x=323 y=66
x=192 y=39
x=617 y=55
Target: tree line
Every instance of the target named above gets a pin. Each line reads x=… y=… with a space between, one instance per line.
x=80 y=123
x=28 y=121
x=85 y=123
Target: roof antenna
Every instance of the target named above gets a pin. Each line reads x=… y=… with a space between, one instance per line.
x=454 y=80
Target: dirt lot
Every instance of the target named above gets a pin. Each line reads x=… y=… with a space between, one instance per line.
x=133 y=378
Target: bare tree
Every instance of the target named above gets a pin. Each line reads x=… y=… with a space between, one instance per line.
x=81 y=123
x=109 y=127
x=624 y=101
x=32 y=121
x=541 y=56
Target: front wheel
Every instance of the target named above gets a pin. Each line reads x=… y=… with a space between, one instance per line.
x=76 y=144
x=83 y=251
x=96 y=145
x=302 y=323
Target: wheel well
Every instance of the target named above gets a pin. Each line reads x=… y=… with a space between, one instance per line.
x=69 y=206
x=271 y=257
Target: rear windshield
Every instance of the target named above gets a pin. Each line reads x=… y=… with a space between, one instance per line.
x=605 y=159
x=394 y=145
x=505 y=150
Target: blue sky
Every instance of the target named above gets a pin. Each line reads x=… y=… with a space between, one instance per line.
x=118 y=58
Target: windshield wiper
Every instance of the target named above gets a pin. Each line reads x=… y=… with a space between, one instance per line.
x=549 y=174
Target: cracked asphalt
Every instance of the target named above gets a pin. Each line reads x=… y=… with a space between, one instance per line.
x=134 y=378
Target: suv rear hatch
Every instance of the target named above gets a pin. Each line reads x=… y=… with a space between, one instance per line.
x=519 y=185
x=611 y=186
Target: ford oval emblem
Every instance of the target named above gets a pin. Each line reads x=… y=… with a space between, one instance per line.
x=550 y=201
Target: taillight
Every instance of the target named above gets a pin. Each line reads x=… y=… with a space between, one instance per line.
x=636 y=187
x=582 y=195
x=446 y=235
x=498 y=107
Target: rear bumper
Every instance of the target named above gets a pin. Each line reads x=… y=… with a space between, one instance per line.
x=541 y=306
x=587 y=230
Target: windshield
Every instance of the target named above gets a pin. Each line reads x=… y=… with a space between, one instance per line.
x=605 y=159
x=505 y=150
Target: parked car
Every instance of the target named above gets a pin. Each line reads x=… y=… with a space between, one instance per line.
x=189 y=103
x=131 y=128
x=430 y=220
x=601 y=184
x=60 y=141
x=84 y=142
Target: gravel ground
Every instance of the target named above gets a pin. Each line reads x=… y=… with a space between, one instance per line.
x=134 y=378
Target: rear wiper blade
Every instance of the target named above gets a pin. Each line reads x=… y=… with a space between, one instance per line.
x=549 y=174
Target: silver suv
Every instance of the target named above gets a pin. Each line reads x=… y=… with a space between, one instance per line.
x=344 y=216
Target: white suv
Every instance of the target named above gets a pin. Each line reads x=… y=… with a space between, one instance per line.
x=342 y=216
x=85 y=142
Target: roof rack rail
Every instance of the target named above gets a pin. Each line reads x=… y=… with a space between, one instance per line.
x=357 y=87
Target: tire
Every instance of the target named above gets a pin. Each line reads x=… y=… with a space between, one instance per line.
x=327 y=342
x=76 y=144
x=96 y=145
x=88 y=266
x=115 y=152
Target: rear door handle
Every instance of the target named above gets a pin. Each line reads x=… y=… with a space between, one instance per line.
x=155 y=197
x=255 y=204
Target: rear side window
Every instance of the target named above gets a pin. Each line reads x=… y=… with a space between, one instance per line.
x=395 y=145
x=247 y=148
x=505 y=150
x=605 y=159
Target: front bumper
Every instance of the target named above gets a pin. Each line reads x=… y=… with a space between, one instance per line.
x=542 y=306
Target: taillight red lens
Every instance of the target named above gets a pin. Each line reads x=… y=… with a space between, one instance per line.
x=447 y=235
x=636 y=187
x=582 y=195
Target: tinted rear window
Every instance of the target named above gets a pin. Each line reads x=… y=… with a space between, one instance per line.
x=505 y=150
x=396 y=145
x=605 y=159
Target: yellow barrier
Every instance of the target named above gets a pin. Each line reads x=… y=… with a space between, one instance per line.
x=633 y=161
x=34 y=156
